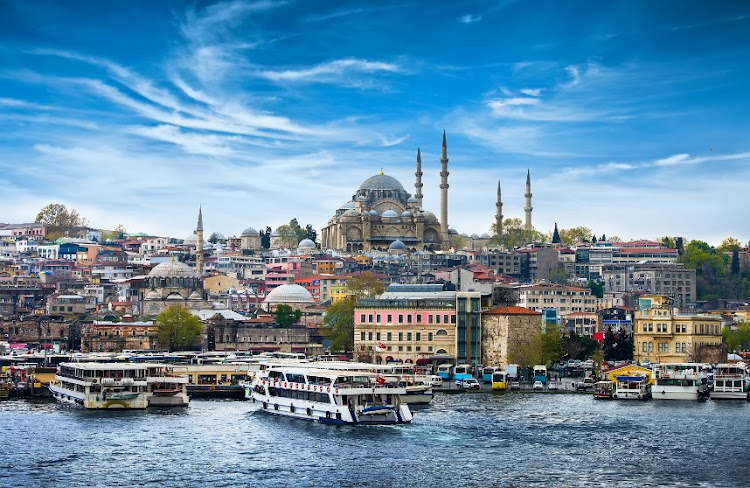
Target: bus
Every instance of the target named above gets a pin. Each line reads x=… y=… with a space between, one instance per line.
x=499 y=380
x=462 y=372
x=445 y=371
x=488 y=372
x=540 y=373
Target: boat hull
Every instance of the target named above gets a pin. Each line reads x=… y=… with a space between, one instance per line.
x=676 y=393
x=730 y=395
x=96 y=402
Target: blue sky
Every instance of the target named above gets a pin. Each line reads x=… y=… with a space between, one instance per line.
x=632 y=116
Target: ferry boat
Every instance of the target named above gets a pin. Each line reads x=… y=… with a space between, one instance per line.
x=166 y=387
x=604 y=390
x=632 y=388
x=101 y=385
x=731 y=382
x=680 y=381
x=329 y=396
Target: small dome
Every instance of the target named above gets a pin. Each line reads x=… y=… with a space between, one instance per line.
x=191 y=240
x=485 y=236
x=172 y=269
x=374 y=213
x=219 y=236
x=397 y=245
x=475 y=236
x=289 y=294
x=351 y=213
x=464 y=234
x=361 y=198
x=250 y=232
x=429 y=215
x=452 y=231
x=406 y=213
x=412 y=200
x=194 y=296
x=389 y=214
x=381 y=182
x=306 y=244
x=347 y=206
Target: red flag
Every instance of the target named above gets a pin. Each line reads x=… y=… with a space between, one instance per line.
x=380 y=380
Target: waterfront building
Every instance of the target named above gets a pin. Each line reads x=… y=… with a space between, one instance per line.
x=504 y=329
x=108 y=336
x=414 y=323
x=554 y=301
x=664 y=335
x=673 y=280
x=582 y=323
x=261 y=335
x=615 y=318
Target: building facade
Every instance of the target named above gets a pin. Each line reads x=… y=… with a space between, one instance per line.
x=504 y=329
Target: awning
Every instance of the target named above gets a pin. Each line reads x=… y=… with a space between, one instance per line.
x=441 y=356
x=422 y=361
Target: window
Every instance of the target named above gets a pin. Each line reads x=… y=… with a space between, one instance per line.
x=408 y=348
x=377 y=336
x=400 y=348
x=429 y=336
x=400 y=319
x=650 y=347
x=369 y=336
x=389 y=336
x=408 y=336
x=419 y=318
x=378 y=318
x=445 y=319
x=400 y=336
x=362 y=336
x=429 y=319
x=419 y=336
x=666 y=348
x=441 y=332
x=369 y=318
x=390 y=318
x=362 y=318
x=408 y=319
x=645 y=347
x=417 y=348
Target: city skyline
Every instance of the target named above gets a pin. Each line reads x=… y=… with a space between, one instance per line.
x=629 y=115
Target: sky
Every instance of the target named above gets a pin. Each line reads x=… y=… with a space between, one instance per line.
x=632 y=116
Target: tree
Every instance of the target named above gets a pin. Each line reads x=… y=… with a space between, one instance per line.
x=735 y=262
x=121 y=231
x=597 y=289
x=287 y=316
x=558 y=275
x=575 y=235
x=729 y=244
x=555 y=235
x=364 y=285
x=60 y=220
x=737 y=340
x=178 y=329
x=513 y=234
x=310 y=233
x=265 y=238
x=338 y=325
x=551 y=345
x=287 y=236
x=213 y=238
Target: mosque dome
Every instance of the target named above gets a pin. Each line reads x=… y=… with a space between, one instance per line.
x=351 y=213
x=381 y=182
x=389 y=214
x=464 y=234
x=475 y=236
x=397 y=245
x=412 y=200
x=452 y=231
x=406 y=213
x=250 y=232
x=373 y=213
x=347 y=206
x=288 y=293
x=361 y=198
x=191 y=240
x=429 y=215
x=219 y=236
x=306 y=244
x=485 y=236
x=172 y=269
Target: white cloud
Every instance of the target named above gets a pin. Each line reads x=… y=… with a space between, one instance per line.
x=532 y=92
x=332 y=71
x=469 y=19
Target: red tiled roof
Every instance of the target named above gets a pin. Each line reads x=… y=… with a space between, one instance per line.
x=512 y=311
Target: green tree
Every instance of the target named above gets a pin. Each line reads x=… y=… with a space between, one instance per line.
x=729 y=244
x=213 y=238
x=287 y=316
x=552 y=346
x=60 y=220
x=364 y=285
x=513 y=234
x=597 y=289
x=338 y=325
x=178 y=329
x=739 y=339
x=265 y=238
x=735 y=262
x=558 y=275
x=310 y=233
x=575 y=235
x=287 y=236
x=555 y=235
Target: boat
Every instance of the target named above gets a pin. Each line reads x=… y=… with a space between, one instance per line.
x=632 y=388
x=166 y=387
x=102 y=385
x=329 y=396
x=604 y=390
x=731 y=382
x=680 y=381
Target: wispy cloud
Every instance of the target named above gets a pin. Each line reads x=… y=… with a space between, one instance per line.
x=532 y=92
x=337 y=71
x=713 y=22
x=469 y=19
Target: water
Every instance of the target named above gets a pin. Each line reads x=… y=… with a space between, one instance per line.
x=460 y=440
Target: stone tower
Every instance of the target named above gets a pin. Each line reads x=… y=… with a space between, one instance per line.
x=418 y=185
x=444 y=236
x=527 y=223
x=199 y=245
x=499 y=211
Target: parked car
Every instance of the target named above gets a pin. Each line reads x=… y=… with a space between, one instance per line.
x=552 y=385
x=470 y=384
x=515 y=385
x=538 y=385
x=586 y=384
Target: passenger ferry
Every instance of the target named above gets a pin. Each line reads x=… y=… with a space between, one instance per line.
x=540 y=373
x=487 y=373
x=604 y=390
x=680 y=381
x=499 y=381
x=731 y=382
x=328 y=396
x=102 y=385
x=166 y=387
x=632 y=388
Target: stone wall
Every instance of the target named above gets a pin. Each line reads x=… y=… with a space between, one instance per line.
x=501 y=333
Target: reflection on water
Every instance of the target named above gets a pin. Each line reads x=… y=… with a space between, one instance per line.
x=460 y=440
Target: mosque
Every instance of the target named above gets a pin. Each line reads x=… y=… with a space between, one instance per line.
x=383 y=216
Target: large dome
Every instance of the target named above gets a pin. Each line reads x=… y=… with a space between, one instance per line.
x=250 y=232
x=172 y=269
x=306 y=244
x=289 y=294
x=381 y=182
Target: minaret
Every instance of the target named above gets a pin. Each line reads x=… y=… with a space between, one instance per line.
x=418 y=185
x=199 y=246
x=529 y=208
x=499 y=211
x=444 y=237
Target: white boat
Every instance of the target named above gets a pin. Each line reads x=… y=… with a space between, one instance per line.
x=680 y=381
x=632 y=388
x=101 y=385
x=328 y=396
x=731 y=382
x=166 y=387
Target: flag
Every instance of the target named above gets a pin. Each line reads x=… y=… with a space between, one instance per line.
x=380 y=347
x=380 y=380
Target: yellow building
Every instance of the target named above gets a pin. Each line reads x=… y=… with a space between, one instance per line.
x=338 y=293
x=664 y=335
x=220 y=283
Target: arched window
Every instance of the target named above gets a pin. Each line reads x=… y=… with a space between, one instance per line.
x=442 y=351
x=441 y=332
